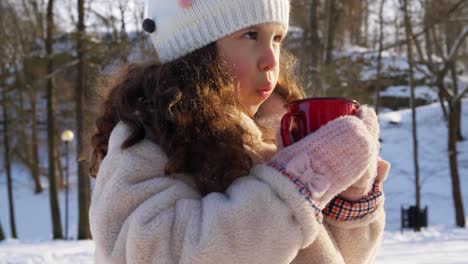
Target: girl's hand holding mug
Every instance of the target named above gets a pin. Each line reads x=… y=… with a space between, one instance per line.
x=377 y=169
x=331 y=159
x=333 y=155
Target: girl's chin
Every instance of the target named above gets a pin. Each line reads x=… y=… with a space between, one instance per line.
x=251 y=111
x=254 y=105
x=263 y=94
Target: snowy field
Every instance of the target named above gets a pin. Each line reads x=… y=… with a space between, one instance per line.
x=440 y=243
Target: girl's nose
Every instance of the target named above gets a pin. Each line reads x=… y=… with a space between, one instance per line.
x=269 y=58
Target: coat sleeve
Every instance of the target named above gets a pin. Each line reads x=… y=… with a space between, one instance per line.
x=137 y=215
x=356 y=227
x=351 y=233
x=358 y=240
x=351 y=242
x=352 y=230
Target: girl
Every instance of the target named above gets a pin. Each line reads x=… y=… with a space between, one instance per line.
x=185 y=156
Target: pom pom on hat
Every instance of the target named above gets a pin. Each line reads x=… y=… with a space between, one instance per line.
x=149 y=25
x=185 y=3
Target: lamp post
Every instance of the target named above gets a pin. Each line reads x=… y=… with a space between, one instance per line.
x=67 y=137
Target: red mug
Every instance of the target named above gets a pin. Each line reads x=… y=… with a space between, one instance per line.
x=307 y=115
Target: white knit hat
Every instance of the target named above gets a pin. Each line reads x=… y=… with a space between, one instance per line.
x=179 y=27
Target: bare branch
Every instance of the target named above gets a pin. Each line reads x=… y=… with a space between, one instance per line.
x=58 y=70
x=460 y=95
x=454 y=51
x=457 y=44
x=437 y=21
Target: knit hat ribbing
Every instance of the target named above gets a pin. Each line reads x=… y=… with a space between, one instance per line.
x=183 y=26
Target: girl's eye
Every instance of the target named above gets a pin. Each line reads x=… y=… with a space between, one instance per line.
x=251 y=34
x=254 y=35
x=279 y=38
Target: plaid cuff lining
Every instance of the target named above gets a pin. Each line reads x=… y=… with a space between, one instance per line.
x=302 y=190
x=343 y=210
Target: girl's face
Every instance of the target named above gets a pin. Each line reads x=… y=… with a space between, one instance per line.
x=253 y=55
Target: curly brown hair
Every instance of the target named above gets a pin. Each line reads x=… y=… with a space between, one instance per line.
x=188 y=108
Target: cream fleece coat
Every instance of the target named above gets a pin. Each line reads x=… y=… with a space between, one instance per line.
x=138 y=215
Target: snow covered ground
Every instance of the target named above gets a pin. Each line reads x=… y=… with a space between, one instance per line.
x=435 y=245
x=441 y=242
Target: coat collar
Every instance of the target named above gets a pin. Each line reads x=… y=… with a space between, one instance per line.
x=264 y=129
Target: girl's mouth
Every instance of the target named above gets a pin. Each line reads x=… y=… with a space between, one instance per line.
x=265 y=91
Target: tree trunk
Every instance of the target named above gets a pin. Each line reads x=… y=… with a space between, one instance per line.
x=124 y=50
x=83 y=180
x=458 y=119
x=366 y=23
x=452 y=31
x=35 y=144
x=59 y=168
x=409 y=35
x=452 y=151
x=331 y=30
x=4 y=100
x=315 y=47
x=435 y=40
x=357 y=24
x=441 y=101
x=6 y=145
x=427 y=38
x=2 y=234
x=53 y=196
x=457 y=104
x=315 y=42
x=28 y=94
x=306 y=50
x=379 y=59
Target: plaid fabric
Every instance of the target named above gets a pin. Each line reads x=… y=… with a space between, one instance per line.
x=344 y=210
x=302 y=190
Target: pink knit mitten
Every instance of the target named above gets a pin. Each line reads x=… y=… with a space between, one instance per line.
x=364 y=185
x=331 y=159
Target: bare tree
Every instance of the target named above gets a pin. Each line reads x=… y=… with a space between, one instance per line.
x=4 y=74
x=353 y=12
x=409 y=46
x=454 y=108
x=2 y=234
x=19 y=43
x=39 y=22
x=138 y=16
x=379 y=58
x=449 y=98
x=6 y=145
x=453 y=29
x=35 y=142
x=124 y=45
x=83 y=179
x=365 y=21
x=58 y=167
x=54 y=205
x=332 y=17
x=315 y=48
x=309 y=54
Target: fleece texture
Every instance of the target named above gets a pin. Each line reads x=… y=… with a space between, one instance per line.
x=139 y=215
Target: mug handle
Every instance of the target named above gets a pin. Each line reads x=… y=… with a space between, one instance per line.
x=285 y=125
x=356 y=107
x=301 y=116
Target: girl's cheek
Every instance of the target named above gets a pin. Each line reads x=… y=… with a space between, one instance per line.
x=239 y=71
